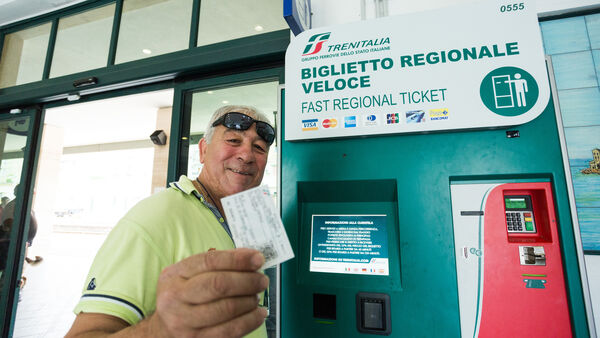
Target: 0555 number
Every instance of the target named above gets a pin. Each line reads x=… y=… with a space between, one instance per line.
x=512 y=7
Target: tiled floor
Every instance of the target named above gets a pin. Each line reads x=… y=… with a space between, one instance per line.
x=54 y=286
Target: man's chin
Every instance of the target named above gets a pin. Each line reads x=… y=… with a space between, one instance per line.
x=235 y=188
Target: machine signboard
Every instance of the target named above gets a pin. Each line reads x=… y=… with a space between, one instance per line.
x=473 y=66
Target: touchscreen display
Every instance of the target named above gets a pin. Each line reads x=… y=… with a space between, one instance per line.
x=351 y=244
x=515 y=203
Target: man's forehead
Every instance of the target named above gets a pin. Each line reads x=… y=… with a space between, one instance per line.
x=250 y=113
x=250 y=132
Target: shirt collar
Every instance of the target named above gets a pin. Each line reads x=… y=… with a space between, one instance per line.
x=186 y=186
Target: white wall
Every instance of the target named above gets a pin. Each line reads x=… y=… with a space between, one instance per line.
x=334 y=12
x=592 y=263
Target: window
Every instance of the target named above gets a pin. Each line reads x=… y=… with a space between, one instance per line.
x=233 y=19
x=83 y=41
x=262 y=96
x=153 y=27
x=24 y=55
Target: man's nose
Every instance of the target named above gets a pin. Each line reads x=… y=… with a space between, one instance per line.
x=245 y=153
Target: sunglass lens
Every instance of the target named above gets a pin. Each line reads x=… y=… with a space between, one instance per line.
x=237 y=121
x=265 y=131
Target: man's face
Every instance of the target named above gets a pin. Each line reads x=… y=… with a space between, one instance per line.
x=234 y=160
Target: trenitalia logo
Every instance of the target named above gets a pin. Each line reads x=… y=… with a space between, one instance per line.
x=330 y=123
x=315 y=43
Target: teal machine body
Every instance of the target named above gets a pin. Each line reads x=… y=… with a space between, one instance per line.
x=337 y=188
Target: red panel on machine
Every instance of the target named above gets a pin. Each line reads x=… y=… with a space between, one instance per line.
x=523 y=285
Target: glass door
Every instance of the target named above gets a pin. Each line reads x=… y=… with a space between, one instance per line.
x=18 y=143
x=200 y=100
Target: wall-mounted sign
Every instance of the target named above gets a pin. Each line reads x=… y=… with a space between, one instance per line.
x=479 y=65
x=297 y=14
x=352 y=244
x=19 y=126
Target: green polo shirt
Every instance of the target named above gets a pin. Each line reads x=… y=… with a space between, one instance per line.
x=157 y=232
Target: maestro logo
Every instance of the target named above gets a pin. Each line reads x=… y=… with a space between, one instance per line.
x=330 y=123
x=509 y=91
x=315 y=43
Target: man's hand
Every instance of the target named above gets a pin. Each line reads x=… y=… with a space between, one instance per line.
x=213 y=294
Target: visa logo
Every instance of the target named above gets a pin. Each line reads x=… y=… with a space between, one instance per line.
x=311 y=124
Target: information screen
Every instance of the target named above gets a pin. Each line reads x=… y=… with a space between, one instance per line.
x=515 y=203
x=352 y=244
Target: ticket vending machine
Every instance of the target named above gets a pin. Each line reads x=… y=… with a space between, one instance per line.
x=424 y=183
x=508 y=260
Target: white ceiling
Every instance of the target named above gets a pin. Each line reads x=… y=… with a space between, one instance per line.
x=17 y=10
x=121 y=119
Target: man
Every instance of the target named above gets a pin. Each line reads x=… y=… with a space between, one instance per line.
x=168 y=268
x=6 y=221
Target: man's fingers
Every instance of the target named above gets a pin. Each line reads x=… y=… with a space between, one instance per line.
x=211 y=286
x=215 y=313
x=220 y=260
x=237 y=327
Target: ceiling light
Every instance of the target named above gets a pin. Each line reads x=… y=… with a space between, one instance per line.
x=73 y=97
x=209 y=92
x=258 y=28
x=225 y=102
x=146 y=51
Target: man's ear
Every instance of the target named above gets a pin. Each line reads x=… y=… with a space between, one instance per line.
x=202 y=145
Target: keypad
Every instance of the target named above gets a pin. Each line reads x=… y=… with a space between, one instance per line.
x=514 y=221
x=519 y=221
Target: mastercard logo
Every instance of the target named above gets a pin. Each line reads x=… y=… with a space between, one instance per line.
x=330 y=123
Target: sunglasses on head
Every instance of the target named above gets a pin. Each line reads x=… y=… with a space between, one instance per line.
x=239 y=121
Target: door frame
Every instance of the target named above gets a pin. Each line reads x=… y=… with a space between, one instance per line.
x=180 y=122
x=16 y=251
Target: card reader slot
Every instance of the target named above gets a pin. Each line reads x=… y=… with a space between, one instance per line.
x=472 y=213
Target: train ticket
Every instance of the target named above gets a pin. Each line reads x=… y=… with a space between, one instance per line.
x=255 y=223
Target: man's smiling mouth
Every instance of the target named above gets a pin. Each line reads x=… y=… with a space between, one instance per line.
x=237 y=171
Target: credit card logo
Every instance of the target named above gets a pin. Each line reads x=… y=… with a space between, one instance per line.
x=349 y=121
x=370 y=120
x=393 y=118
x=438 y=114
x=415 y=116
x=330 y=123
x=311 y=124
